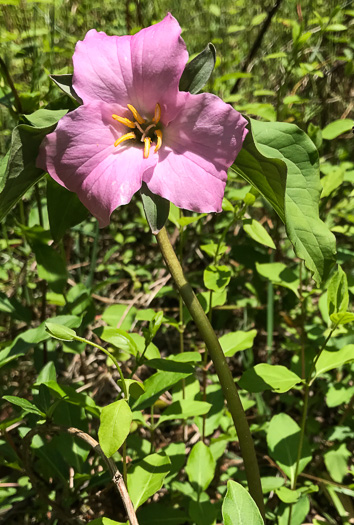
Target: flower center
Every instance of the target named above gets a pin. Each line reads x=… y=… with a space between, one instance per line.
x=144 y=131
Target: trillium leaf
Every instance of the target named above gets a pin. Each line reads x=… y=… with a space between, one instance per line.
x=239 y=508
x=64 y=209
x=156 y=209
x=197 y=72
x=19 y=172
x=342 y=318
x=114 y=428
x=281 y=161
x=65 y=83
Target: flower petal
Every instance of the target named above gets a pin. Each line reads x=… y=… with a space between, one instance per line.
x=199 y=145
x=159 y=56
x=80 y=155
x=141 y=70
x=103 y=68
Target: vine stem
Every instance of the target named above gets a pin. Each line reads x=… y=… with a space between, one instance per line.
x=217 y=355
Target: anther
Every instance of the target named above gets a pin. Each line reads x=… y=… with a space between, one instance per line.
x=157 y=115
x=124 y=121
x=147 y=144
x=127 y=136
x=158 y=134
x=136 y=114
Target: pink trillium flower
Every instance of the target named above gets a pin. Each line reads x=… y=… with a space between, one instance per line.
x=136 y=126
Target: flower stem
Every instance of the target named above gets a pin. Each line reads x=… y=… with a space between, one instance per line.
x=221 y=367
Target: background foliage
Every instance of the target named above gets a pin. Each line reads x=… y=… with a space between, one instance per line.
x=108 y=285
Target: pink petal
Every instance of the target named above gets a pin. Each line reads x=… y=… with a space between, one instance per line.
x=159 y=56
x=80 y=155
x=199 y=145
x=140 y=70
x=103 y=68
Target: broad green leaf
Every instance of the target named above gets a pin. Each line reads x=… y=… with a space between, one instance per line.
x=157 y=384
x=200 y=466
x=299 y=512
x=287 y=495
x=336 y=461
x=270 y=483
x=283 y=437
x=156 y=209
x=329 y=360
x=257 y=232
x=237 y=341
x=43 y=118
x=26 y=405
x=202 y=511
x=281 y=161
x=279 y=274
x=65 y=83
x=336 y=128
x=337 y=293
x=342 y=318
x=268 y=377
x=113 y=314
x=197 y=72
x=114 y=428
x=239 y=508
x=216 y=278
x=21 y=171
x=64 y=209
x=184 y=409
x=175 y=365
x=63 y=333
x=135 y=388
x=339 y=394
x=119 y=338
x=146 y=477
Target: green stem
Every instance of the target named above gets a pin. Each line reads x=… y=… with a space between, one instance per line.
x=111 y=356
x=221 y=367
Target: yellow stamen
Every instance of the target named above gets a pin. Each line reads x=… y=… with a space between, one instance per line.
x=158 y=134
x=136 y=114
x=157 y=115
x=124 y=121
x=147 y=144
x=127 y=136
